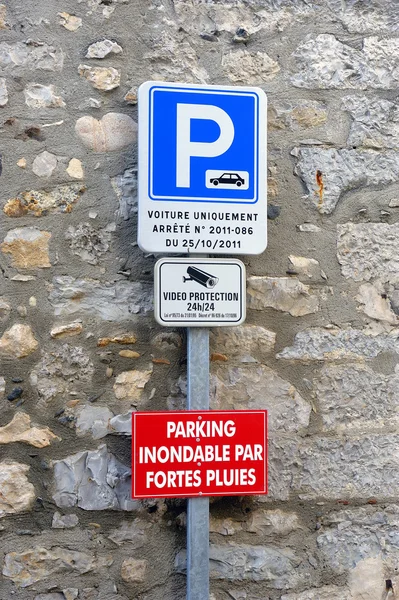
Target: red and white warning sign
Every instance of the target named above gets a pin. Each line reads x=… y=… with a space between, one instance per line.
x=190 y=453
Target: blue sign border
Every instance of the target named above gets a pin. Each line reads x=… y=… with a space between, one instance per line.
x=205 y=91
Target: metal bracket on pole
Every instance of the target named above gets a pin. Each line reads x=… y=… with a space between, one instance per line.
x=198 y=508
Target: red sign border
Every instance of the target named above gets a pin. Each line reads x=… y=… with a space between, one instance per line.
x=199 y=412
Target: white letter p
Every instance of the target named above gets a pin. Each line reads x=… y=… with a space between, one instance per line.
x=185 y=149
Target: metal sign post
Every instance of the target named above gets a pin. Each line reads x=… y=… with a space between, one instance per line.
x=198 y=508
x=196 y=454
x=202 y=188
x=199 y=453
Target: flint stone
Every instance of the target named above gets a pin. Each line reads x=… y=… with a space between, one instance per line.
x=173 y=59
x=279 y=567
x=75 y=169
x=70 y=22
x=106 y=592
x=87 y=242
x=61 y=371
x=54 y=596
x=44 y=164
x=93 y=480
x=71 y=593
x=133 y=570
x=177 y=400
x=131 y=96
x=3 y=92
x=19 y=430
x=28 y=247
x=33 y=565
x=328 y=173
x=108 y=301
x=124 y=338
x=327 y=592
x=259 y=387
x=64 y=521
x=101 y=78
x=21 y=56
x=305 y=267
x=17 y=493
x=281 y=293
x=68 y=330
x=94 y=420
x=18 y=342
x=121 y=424
x=42 y=96
x=125 y=187
x=374 y=303
x=5 y=310
x=318 y=343
x=167 y=340
x=326 y=63
x=90 y=103
x=102 y=48
x=243 y=340
x=91 y=594
x=301 y=114
x=308 y=228
x=15 y=393
x=133 y=532
x=40 y=203
x=368 y=250
x=115 y=131
x=105 y=11
x=393 y=296
x=3 y=17
x=273 y=211
x=20 y=277
x=366 y=578
x=103 y=594
x=224 y=526
x=354 y=397
x=272 y=522
x=236 y=595
x=242 y=66
x=129 y=385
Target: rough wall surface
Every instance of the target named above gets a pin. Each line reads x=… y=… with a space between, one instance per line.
x=79 y=348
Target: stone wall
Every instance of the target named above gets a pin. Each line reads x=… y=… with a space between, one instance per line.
x=79 y=347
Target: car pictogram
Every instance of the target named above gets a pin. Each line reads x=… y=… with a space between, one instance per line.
x=229 y=179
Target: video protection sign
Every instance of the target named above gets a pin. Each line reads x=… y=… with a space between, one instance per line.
x=202 y=168
x=199 y=453
x=199 y=292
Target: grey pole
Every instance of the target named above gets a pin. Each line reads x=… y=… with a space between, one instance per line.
x=198 y=508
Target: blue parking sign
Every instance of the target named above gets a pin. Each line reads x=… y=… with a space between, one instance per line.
x=202 y=149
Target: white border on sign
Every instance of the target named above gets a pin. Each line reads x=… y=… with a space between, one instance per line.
x=152 y=242
x=200 y=494
x=196 y=322
x=210 y=199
